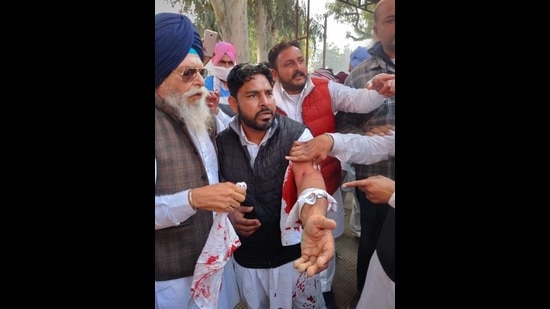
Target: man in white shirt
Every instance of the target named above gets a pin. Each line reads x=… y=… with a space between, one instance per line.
x=313 y=101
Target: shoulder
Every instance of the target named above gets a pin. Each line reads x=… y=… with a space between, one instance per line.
x=286 y=122
x=363 y=72
x=319 y=81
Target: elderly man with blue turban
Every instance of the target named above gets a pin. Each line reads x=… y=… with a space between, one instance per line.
x=188 y=195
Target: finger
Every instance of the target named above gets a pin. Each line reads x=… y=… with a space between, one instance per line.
x=348 y=184
x=323 y=259
x=329 y=224
x=290 y=158
x=315 y=269
x=369 y=85
x=298 y=262
x=296 y=150
x=311 y=271
x=302 y=267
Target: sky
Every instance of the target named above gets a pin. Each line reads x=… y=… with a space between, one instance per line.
x=335 y=32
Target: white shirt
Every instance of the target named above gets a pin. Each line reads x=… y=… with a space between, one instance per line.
x=342 y=97
x=222 y=120
x=362 y=149
x=254 y=148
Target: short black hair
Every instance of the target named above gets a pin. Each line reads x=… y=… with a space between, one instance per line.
x=243 y=72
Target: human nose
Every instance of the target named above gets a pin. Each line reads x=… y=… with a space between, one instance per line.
x=264 y=99
x=198 y=80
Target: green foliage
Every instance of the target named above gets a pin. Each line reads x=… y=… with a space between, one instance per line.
x=359 y=19
x=202 y=12
x=283 y=13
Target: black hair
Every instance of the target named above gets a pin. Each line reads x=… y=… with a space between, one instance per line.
x=243 y=72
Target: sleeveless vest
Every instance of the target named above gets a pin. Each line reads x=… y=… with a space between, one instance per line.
x=179 y=167
x=318 y=116
x=263 y=249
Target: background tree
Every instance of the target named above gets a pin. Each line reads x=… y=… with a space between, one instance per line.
x=224 y=17
x=336 y=58
x=361 y=20
x=273 y=21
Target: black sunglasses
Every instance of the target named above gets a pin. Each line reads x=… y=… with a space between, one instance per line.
x=189 y=73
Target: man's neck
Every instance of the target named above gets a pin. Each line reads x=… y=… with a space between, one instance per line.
x=389 y=53
x=253 y=135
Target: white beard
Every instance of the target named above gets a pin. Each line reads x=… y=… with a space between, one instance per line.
x=196 y=115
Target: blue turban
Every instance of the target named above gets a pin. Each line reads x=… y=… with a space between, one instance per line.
x=358 y=55
x=175 y=35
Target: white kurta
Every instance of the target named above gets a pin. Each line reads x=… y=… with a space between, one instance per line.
x=172 y=209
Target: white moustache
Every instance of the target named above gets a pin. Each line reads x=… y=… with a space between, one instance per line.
x=201 y=91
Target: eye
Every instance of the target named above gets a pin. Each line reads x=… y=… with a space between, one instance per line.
x=390 y=20
x=188 y=73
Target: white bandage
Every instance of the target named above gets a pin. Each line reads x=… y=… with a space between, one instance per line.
x=291 y=224
x=309 y=196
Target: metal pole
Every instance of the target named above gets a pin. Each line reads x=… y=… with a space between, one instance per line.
x=325 y=41
x=307 y=35
x=296 y=20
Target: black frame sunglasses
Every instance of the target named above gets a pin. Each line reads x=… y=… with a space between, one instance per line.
x=189 y=73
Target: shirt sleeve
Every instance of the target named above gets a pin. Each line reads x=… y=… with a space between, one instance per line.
x=363 y=149
x=353 y=100
x=306 y=136
x=391 y=202
x=171 y=209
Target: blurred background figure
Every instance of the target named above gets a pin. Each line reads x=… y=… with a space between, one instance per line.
x=357 y=56
x=381 y=60
x=341 y=77
x=223 y=61
x=324 y=73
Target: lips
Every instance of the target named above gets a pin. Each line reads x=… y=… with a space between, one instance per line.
x=265 y=115
x=299 y=75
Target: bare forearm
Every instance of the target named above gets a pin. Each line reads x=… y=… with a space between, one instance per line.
x=307 y=177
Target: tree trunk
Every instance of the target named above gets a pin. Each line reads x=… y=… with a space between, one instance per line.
x=264 y=23
x=234 y=25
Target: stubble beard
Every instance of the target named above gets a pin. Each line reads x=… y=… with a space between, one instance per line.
x=253 y=122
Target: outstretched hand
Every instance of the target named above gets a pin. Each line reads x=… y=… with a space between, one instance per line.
x=378 y=189
x=384 y=83
x=317 y=245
